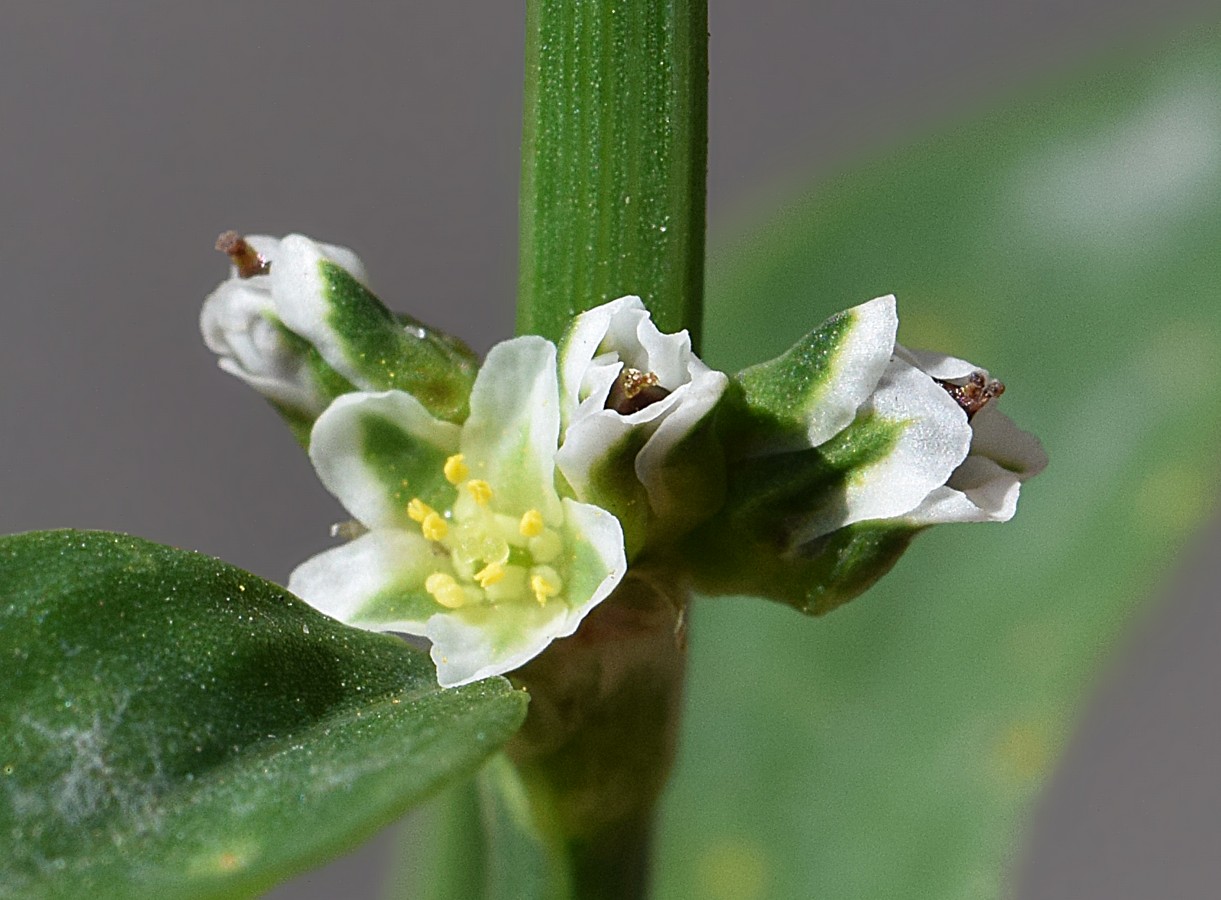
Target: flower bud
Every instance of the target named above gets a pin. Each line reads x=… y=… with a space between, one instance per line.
x=638 y=437
x=296 y=321
x=841 y=450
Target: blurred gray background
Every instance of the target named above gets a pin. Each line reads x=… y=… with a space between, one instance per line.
x=133 y=132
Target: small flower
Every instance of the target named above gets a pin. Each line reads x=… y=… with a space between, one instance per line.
x=297 y=321
x=636 y=403
x=242 y=323
x=844 y=447
x=469 y=543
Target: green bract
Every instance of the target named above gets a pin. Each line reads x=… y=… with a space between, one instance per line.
x=468 y=542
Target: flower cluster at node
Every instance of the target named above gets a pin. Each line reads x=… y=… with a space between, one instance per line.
x=495 y=506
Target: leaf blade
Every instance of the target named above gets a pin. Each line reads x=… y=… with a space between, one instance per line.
x=178 y=727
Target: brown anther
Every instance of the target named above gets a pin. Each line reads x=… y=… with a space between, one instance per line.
x=977 y=393
x=633 y=390
x=243 y=256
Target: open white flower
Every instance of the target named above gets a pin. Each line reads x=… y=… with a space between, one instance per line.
x=243 y=320
x=469 y=543
x=633 y=403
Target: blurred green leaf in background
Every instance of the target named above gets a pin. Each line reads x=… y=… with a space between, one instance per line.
x=1071 y=244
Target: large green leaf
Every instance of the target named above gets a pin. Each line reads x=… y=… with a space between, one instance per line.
x=171 y=726
x=1072 y=244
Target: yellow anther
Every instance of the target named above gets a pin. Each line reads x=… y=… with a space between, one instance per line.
x=531 y=523
x=456 y=469
x=418 y=510
x=545 y=583
x=492 y=573
x=480 y=490
x=434 y=527
x=445 y=590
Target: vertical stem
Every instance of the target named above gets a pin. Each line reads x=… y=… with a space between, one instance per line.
x=599 y=740
x=614 y=160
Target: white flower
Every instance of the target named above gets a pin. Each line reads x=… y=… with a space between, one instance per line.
x=469 y=543
x=633 y=399
x=900 y=434
x=243 y=320
x=297 y=322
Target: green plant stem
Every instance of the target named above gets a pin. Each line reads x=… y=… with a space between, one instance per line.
x=614 y=160
x=599 y=739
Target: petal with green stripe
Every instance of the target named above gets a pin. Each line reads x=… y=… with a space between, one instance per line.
x=813 y=390
x=376 y=452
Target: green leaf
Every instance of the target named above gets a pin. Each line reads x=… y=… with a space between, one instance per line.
x=614 y=147
x=1070 y=244
x=175 y=727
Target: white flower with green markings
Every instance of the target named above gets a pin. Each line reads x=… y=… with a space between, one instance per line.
x=845 y=446
x=297 y=321
x=242 y=320
x=636 y=403
x=468 y=544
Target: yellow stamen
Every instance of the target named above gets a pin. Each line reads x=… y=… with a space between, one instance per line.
x=545 y=583
x=531 y=523
x=445 y=590
x=492 y=573
x=480 y=490
x=418 y=510
x=434 y=527
x=456 y=469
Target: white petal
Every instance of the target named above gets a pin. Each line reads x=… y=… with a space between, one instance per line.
x=583 y=342
x=270 y=249
x=511 y=434
x=997 y=438
x=481 y=641
x=938 y=365
x=978 y=491
x=860 y=361
x=697 y=400
x=375 y=452
x=375 y=582
x=237 y=325
x=302 y=300
x=934 y=440
x=813 y=390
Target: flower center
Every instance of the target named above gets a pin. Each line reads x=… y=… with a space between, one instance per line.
x=977 y=393
x=633 y=390
x=495 y=558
